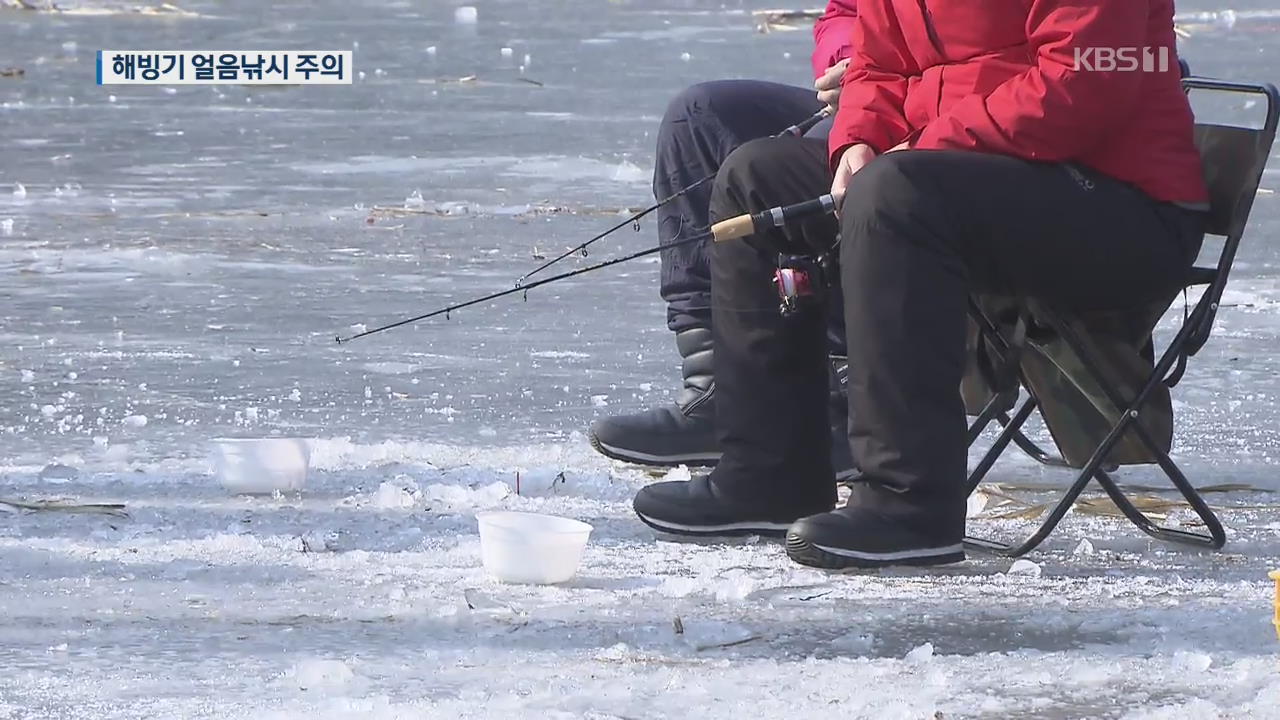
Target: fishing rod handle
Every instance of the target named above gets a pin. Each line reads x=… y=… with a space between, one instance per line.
x=744 y=225
x=801 y=128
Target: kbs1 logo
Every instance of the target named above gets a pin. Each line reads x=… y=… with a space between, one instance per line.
x=1130 y=59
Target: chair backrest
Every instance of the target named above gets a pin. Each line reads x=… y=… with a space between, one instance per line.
x=1233 y=159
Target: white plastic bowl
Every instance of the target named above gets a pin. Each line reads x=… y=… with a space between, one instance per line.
x=533 y=549
x=261 y=466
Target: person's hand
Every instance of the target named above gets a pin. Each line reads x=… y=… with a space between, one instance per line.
x=853 y=160
x=828 y=86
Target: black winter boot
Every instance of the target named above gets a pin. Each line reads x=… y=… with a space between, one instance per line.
x=679 y=434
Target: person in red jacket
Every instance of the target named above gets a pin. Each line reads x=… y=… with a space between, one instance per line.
x=701 y=127
x=977 y=148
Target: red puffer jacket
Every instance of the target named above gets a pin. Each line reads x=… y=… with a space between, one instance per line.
x=1025 y=78
x=833 y=35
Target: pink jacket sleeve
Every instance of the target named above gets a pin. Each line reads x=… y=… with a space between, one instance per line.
x=833 y=34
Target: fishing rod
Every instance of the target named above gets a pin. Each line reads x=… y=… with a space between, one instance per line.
x=730 y=229
x=796 y=130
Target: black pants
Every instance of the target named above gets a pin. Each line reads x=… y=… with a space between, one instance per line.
x=920 y=231
x=702 y=125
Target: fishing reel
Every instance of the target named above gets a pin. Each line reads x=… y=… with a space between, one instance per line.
x=801 y=283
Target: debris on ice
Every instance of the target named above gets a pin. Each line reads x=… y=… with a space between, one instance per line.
x=858 y=643
x=318 y=542
x=600 y=400
x=1025 y=568
x=709 y=634
x=1083 y=549
x=19 y=190
x=466 y=15
x=921 y=654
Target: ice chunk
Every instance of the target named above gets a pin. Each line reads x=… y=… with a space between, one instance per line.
x=321 y=674
x=58 y=471
x=686 y=57
x=391 y=496
x=6 y=226
x=1083 y=549
x=921 y=654
x=1024 y=567
x=466 y=15
x=1192 y=662
x=976 y=503
x=431 y=50
x=456 y=496
x=19 y=190
x=678 y=474
x=600 y=400
x=507 y=52
x=136 y=421
x=630 y=172
x=28 y=376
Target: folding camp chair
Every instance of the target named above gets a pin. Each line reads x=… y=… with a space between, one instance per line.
x=1234 y=158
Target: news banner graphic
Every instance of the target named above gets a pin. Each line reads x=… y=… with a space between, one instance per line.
x=220 y=67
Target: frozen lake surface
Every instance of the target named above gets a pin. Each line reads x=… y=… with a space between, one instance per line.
x=177 y=262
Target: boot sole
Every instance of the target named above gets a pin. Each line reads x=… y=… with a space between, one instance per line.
x=639 y=458
x=742 y=529
x=702 y=460
x=807 y=553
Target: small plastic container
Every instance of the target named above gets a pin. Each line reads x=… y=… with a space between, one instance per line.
x=1275 y=575
x=261 y=466
x=530 y=548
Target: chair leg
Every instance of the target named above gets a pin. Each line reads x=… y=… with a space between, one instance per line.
x=1214 y=539
x=991 y=412
x=1011 y=428
x=1093 y=470
x=1028 y=446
